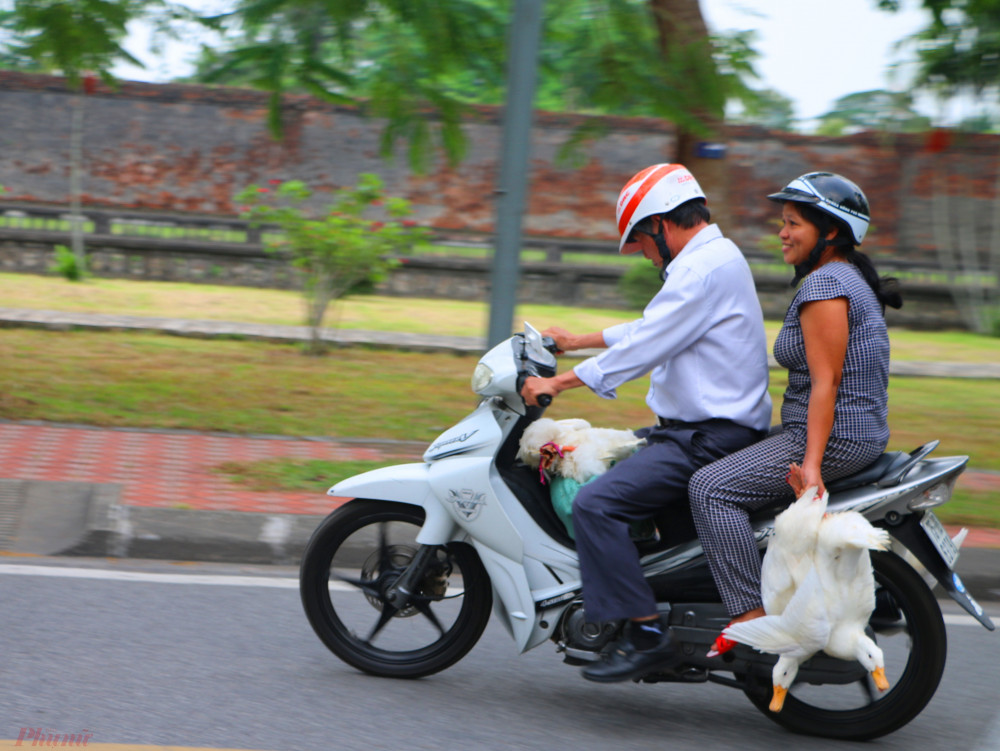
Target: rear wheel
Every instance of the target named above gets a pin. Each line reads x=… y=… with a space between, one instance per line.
x=908 y=627
x=349 y=569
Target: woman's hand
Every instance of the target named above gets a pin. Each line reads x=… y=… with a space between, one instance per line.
x=801 y=480
x=811 y=476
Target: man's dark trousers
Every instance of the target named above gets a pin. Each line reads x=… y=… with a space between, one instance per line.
x=635 y=489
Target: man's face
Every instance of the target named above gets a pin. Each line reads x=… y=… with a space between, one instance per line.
x=647 y=245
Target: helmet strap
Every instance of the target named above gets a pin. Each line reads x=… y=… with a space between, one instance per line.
x=803 y=269
x=661 y=245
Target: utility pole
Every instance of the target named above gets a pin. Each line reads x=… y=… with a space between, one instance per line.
x=522 y=71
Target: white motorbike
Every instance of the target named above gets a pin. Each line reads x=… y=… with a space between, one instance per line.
x=401 y=580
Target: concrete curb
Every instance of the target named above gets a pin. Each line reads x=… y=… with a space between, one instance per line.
x=106 y=528
x=280 y=539
x=118 y=531
x=88 y=519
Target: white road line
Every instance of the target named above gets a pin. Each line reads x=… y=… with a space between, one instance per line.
x=274 y=582
x=955 y=619
x=271 y=582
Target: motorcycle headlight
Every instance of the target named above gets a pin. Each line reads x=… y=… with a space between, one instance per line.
x=933 y=496
x=482 y=377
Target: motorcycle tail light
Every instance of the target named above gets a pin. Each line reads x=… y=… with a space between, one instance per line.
x=482 y=376
x=933 y=496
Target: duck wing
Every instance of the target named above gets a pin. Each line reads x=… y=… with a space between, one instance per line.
x=803 y=628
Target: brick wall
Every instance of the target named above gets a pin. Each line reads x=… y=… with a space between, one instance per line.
x=191 y=148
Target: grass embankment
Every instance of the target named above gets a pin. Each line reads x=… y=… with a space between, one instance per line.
x=146 y=380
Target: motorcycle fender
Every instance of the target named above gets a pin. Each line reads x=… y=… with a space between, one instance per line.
x=913 y=537
x=512 y=602
x=403 y=483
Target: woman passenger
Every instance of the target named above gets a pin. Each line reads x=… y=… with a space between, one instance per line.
x=834 y=417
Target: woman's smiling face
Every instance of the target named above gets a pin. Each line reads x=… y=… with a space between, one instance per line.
x=798 y=236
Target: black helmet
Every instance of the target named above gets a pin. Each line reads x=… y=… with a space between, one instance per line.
x=832 y=194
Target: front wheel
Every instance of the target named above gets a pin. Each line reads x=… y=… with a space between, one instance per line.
x=908 y=627
x=348 y=573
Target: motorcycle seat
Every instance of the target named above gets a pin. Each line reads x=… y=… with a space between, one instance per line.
x=886 y=471
x=884 y=466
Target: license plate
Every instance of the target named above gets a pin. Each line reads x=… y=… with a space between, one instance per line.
x=939 y=536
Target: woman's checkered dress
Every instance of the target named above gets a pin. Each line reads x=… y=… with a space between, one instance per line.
x=724 y=493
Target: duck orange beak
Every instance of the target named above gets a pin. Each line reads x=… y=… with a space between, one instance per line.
x=778 y=700
x=881 y=682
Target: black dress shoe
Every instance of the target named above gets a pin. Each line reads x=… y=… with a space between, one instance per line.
x=625 y=663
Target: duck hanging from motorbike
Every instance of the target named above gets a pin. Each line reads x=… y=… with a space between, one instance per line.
x=401 y=580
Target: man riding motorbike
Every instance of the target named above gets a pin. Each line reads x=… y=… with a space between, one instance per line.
x=702 y=340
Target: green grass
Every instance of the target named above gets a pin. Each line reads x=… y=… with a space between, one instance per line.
x=149 y=380
x=445 y=317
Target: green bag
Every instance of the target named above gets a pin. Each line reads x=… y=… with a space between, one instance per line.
x=564 y=489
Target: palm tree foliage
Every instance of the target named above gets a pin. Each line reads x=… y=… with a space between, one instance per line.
x=890 y=111
x=414 y=62
x=420 y=65
x=68 y=36
x=959 y=50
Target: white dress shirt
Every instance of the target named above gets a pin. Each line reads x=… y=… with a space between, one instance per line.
x=701 y=338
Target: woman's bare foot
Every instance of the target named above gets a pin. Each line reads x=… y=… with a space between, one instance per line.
x=749 y=615
x=721 y=645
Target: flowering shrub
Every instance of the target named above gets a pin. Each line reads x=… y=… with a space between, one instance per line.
x=338 y=251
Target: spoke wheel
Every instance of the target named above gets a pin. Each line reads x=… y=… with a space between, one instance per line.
x=350 y=570
x=908 y=626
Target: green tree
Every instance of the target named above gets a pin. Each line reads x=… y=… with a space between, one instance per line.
x=406 y=61
x=69 y=36
x=889 y=111
x=959 y=50
x=983 y=122
x=959 y=54
x=401 y=59
x=336 y=251
x=76 y=38
x=769 y=108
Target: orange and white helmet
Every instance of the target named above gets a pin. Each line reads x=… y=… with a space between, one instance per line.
x=655 y=190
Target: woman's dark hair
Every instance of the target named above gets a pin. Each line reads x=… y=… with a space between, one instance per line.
x=886 y=288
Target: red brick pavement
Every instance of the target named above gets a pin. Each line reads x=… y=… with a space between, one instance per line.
x=168 y=469
x=175 y=469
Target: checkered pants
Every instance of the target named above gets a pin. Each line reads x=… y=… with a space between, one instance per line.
x=724 y=494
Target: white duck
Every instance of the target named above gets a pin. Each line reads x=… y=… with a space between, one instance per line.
x=845 y=566
x=789 y=554
x=829 y=610
x=796 y=634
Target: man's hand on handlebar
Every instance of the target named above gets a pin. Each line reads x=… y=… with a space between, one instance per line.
x=561 y=337
x=535 y=388
x=567 y=342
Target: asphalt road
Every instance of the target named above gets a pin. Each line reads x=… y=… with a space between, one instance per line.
x=200 y=655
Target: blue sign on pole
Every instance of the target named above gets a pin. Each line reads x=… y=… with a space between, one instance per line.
x=710 y=150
